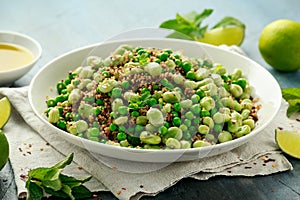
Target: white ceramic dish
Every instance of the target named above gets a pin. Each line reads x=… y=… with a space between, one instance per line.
x=264 y=84
x=9 y=76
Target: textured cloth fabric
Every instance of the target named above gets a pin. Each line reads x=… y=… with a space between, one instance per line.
x=32 y=144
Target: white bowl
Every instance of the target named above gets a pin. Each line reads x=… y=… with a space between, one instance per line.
x=264 y=84
x=9 y=76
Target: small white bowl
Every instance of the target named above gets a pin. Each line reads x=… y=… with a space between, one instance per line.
x=9 y=76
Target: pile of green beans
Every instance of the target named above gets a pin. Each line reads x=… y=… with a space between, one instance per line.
x=153 y=99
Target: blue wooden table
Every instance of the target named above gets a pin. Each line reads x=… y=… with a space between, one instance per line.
x=61 y=26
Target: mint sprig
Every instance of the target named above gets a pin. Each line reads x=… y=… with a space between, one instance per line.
x=190 y=26
x=52 y=181
x=292 y=96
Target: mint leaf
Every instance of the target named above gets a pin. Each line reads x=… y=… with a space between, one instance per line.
x=44 y=173
x=51 y=181
x=201 y=16
x=65 y=162
x=73 y=182
x=179 y=35
x=292 y=96
x=294 y=107
x=81 y=192
x=53 y=184
x=229 y=21
x=290 y=93
x=35 y=192
x=177 y=26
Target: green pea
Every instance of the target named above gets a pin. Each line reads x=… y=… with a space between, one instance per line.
x=61 y=124
x=116 y=92
x=177 y=107
x=187 y=135
x=141 y=120
x=96 y=111
x=189 y=115
x=121 y=136
x=195 y=109
x=51 y=102
x=123 y=110
x=224 y=136
x=176 y=121
x=99 y=102
x=60 y=86
x=125 y=85
x=191 y=75
x=163 y=56
x=93 y=132
x=187 y=66
x=113 y=115
x=187 y=122
x=163 y=130
x=113 y=127
x=139 y=128
x=204 y=113
x=135 y=113
x=152 y=102
x=183 y=127
x=218 y=127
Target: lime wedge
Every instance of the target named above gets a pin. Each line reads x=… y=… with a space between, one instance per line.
x=4 y=149
x=288 y=142
x=5 y=111
x=224 y=35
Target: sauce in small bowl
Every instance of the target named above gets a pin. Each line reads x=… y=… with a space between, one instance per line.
x=13 y=56
x=18 y=54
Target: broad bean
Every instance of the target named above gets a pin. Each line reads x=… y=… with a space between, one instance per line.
x=149 y=138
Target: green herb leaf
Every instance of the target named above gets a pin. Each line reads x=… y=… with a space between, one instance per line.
x=73 y=182
x=201 y=16
x=294 y=107
x=292 y=96
x=51 y=181
x=290 y=93
x=53 y=184
x=81 y=192
x=229 y=21
x=35 y=192
x=65 y=162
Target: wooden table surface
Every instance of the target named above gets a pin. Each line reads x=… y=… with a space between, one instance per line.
x=61 y=26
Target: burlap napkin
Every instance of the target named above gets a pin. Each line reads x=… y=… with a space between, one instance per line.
x=33 y=145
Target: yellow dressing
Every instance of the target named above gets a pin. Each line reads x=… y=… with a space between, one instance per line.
x=13 y=56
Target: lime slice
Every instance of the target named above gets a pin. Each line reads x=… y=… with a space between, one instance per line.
x=224 y=35
x=288 y=142
x=4 y=149
x=5 y=111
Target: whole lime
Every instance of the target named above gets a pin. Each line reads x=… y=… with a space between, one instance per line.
x=4 y=149
x=279 y=44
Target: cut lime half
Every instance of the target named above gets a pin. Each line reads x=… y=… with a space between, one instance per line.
x=224 y=35
x=5 y=111
x=288 y=142
x=4 y=149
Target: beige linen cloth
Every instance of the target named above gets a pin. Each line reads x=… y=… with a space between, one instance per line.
x=32 y=144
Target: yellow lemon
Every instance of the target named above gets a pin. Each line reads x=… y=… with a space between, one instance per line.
x=288 y=142
x=5 y=111
x=4 y=149
x=279 y=45
x=224 y=35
